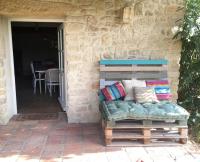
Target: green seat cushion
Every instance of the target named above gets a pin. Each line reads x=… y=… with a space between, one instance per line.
x=165 y=110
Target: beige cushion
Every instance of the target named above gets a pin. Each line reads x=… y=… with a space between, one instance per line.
x=145 y=94
x=129 y=85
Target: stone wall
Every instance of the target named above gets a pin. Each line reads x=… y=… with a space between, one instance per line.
x=97 y=31
x=94 y=29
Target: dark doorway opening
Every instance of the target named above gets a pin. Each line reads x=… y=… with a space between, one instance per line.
x=35 y=43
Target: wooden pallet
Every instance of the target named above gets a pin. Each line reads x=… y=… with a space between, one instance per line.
x=139 y=132
x=144 y=133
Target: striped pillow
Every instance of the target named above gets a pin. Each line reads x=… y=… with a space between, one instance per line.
x=161 y=87
x=114 y=91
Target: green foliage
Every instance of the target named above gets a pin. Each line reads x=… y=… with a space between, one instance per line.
x=189 y=84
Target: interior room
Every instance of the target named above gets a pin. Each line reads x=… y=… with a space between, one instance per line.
x=35 y=50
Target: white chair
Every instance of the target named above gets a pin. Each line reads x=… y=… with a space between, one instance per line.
x=51 y=79
x=36 y=78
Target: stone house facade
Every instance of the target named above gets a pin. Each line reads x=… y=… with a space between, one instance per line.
x=94 y=30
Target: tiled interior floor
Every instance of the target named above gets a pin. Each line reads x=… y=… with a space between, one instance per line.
x=27 y=102
x=58 y=141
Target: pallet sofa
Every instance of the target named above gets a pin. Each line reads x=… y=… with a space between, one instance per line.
x=127 y=123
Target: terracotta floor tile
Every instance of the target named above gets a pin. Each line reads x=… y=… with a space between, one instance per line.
x=13 y=146
x=51 y=151
x=57 y=132
x=72 y=151
x=91 y=130
x=51 y=141
x=73 y=146
x=55 y=139
x=61 y=124
x=29 y=123
x=32 y=149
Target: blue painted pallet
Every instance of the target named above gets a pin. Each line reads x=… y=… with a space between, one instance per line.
x=134 y=62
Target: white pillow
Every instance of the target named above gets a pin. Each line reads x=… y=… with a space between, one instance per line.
x=129 y=85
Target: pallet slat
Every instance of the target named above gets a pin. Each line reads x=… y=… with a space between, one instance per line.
x=130 y=75
x=127 y=135
x=134 y=62
x=104 y=68
x=136 y=124
x=130 y=143
x=138 y=136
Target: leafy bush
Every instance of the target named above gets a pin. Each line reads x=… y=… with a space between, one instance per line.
x=189 y=81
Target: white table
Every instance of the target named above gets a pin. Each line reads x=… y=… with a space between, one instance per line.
x=40 y=73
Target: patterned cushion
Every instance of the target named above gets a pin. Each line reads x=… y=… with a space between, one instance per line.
x=145 y=95
x=129 y=85
x=114 y=92
x=161 y=87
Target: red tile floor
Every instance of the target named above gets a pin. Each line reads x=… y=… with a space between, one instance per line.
x=58 y=141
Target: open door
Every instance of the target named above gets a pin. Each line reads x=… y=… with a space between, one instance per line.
x=62 y=97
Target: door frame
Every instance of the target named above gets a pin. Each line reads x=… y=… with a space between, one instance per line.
x=12 y=90
x=61 y=59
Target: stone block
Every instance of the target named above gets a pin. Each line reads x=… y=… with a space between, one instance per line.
x=95 y=86
x=91 y=20
x=73 y=58
x=2 y=92
x=138 y=9
x=4 y=115
x=75 y=27
x=76 y=19
x=106 y=40
x=171 y=9
x=2 y=100
x=85 y=2
x=1 y=72
x=2 y=83
x=73 y=49
x=128 y=14
x=1 y=63
x=89 y=12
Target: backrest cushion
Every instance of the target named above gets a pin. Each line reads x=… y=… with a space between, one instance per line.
x=161 y=87
x=129 y=85
x=114 y=91
x=145 y=95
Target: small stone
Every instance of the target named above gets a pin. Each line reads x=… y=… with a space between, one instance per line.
x=75 y=27
x=138 y=9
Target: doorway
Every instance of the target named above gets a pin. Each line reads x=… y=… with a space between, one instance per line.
x=38 y=46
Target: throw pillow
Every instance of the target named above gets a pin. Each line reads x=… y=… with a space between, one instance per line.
x=129 y=85
x=161 y=87
x=114 y=91
x=145 y=94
